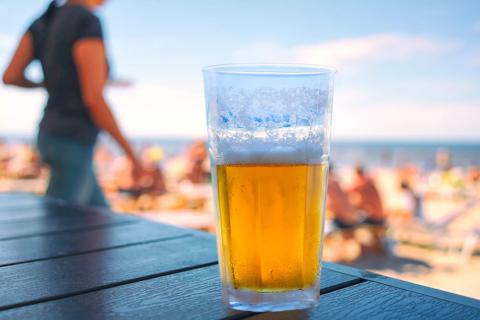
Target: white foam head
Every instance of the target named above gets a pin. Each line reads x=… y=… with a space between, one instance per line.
x=287 y=146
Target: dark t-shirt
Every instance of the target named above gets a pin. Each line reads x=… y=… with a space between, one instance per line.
x=53 y=40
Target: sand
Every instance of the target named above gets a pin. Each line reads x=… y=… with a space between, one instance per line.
x=436 y=269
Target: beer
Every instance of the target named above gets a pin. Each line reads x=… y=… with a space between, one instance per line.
x=269 y=142
x=270 y=218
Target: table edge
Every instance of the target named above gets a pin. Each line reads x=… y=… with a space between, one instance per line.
x=405 y=285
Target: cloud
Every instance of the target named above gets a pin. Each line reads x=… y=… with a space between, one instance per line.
x=476 y=27
x=475 y=61
x=384 y=46
x=337 y=53
x=20 y=110
x=7 y=42
x=472 y=58
x=407 y=121
x=145 y=109
x=160 y=109
x=265 y=51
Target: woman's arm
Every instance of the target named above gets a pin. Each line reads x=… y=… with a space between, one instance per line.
x=89 y=57
x=15 y=72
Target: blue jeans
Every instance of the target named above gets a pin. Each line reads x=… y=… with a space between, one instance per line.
x=72 y=177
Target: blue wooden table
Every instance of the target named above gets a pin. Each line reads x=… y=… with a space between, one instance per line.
x=59 y=261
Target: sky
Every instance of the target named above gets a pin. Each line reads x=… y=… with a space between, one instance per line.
x=406 y=70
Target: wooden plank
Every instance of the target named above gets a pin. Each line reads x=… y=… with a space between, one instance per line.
x=58 y=223
x=436 y=293
x=42 y=209
x=193 y=294
x=22 y=213
x=50 y=279
x=57 y=245
x=48 y=209
x=332 y=281
x=20 y=200
x=14 y=197
x=17 y=195
x=372 y=300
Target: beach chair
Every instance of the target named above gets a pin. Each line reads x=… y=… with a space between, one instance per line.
x=439 y=235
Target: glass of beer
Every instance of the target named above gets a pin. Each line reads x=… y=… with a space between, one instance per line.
x=268 y=136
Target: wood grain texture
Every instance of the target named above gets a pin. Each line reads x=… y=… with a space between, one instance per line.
x=423 y=290
x=54 y=245
x=4 y=195
x=42 y=209
x=23 y=199
x=97 y=265
x=49 y=279
x=56 y=223
x=15 y=196
x=12 y=203
x=371 y=300
x=22 y=213
x=193 y=294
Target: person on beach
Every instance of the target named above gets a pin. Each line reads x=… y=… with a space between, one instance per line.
x=68 y=42
x=367 y=198
x=197 y=155
x=416 y=199
x=153 y=182
x=338 y=203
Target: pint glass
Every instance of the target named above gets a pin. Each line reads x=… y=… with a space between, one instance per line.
x=268 y=136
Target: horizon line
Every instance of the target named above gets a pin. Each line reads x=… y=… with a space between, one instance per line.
x=410 y=140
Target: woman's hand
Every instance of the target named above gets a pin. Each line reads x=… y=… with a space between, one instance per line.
x=138 y=172
x=89 y=57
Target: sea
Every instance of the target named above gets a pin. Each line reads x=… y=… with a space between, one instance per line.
x=389 y=154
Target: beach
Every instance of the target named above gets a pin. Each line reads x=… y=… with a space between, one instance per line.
x=438 y=249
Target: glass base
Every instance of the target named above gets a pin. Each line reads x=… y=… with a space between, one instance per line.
x=240 y=299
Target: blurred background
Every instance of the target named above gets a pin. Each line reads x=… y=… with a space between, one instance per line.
x=406 y=109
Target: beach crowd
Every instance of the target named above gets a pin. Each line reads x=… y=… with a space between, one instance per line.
x=358 y=198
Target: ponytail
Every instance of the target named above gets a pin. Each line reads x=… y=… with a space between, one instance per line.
x=50 y=12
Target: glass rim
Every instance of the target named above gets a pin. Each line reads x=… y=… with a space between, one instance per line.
x=269 y=69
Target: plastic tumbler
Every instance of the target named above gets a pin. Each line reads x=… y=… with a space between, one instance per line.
x=268 y=137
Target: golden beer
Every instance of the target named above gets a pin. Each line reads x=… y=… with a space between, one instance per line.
x=270 y=218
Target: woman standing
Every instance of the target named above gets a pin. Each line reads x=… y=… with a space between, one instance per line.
x=69 y=44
